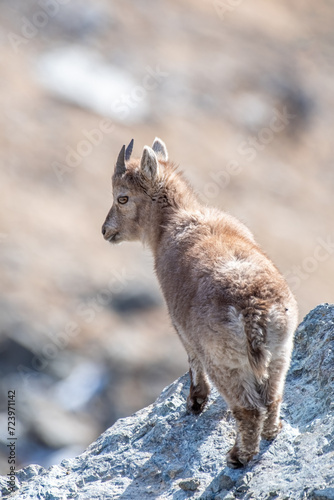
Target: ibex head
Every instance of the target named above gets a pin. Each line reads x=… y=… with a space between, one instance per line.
x=132 y=183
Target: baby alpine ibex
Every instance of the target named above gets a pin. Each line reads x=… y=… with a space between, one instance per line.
x=230 y=306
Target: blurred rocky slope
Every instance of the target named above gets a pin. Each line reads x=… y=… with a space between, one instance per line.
x=243 y=99
x=162 y=452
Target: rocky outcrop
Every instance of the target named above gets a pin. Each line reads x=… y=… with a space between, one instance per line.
x=162 y=452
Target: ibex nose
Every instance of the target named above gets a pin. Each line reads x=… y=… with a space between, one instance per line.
x=104 y=230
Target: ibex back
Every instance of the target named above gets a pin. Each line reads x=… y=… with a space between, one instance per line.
x=230 y=306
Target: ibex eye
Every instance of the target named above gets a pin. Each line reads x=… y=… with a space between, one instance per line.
x=122 y=200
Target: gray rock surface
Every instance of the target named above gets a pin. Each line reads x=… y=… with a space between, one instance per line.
x=162 y=452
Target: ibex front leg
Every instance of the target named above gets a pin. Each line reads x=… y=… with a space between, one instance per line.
x=199 y=386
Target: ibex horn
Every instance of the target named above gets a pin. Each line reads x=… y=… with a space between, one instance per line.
x=120 y=163
x=129 y=150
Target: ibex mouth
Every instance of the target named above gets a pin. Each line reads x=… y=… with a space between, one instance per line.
x=113 y=238
x=108 y=235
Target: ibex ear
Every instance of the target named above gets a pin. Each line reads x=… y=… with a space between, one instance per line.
x=149 y=163
x=159 y=147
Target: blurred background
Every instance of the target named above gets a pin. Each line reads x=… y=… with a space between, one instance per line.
x=242 y=94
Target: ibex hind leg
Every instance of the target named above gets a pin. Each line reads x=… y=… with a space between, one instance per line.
x=241 y=394
x=272 y=396
x=282 y=325
x=272 y=424
x=249 y=426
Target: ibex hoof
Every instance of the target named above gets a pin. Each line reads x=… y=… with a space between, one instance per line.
x=196 y=405
x=234 y=459
x=233 y=462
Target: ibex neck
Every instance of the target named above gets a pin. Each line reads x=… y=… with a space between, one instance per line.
x=174 y=196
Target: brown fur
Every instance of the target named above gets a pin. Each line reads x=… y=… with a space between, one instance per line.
x=231 y=308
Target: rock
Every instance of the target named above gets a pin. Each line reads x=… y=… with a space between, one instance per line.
x=78 y=21
x=326 y=494
x=162 y=452
x=81 y=77
x=189 y=484
x=223 y=482
x=133 y=299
